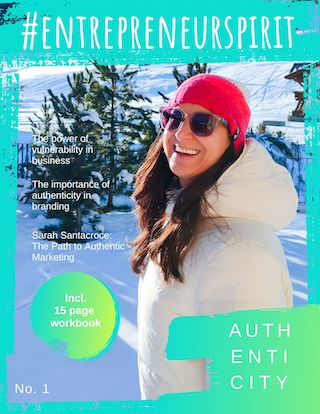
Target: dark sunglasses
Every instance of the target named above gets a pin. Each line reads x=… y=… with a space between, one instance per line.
x=201 y=123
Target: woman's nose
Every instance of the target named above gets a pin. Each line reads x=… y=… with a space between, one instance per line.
x=184 y=130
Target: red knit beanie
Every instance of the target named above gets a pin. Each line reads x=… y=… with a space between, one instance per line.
x=221 y=97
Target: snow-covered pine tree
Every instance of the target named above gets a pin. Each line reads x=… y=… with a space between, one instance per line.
x=72 y=118
x=126 y=123
x=289 y=154
x=41 y=127
x=192 y=69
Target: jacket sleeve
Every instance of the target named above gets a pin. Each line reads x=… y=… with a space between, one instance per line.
x=242 y=276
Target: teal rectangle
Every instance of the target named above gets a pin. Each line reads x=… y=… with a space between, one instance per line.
x=143 y=32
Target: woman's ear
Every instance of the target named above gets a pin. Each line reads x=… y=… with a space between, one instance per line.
x=235 y=136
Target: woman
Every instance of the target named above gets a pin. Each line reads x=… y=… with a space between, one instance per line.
x=209 y=202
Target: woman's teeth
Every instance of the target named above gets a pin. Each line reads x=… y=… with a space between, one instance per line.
x=181 y=150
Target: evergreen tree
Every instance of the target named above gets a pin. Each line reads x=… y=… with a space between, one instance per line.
x=127 y=127
x=104 y=107
x=83 y=164
x=42 y=129
x=192 y=69
x=287 y=153
x=42 y=124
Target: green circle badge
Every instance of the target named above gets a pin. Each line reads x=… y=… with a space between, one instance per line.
x=76 y=315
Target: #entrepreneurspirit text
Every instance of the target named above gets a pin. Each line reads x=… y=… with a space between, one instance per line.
x=185 y=32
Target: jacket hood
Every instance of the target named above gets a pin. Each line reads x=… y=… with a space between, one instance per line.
x=255 y=187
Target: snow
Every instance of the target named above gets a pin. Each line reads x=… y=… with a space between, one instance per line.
x=271 y=95
x=114 y=375
x=291 y=156
x=96 y=198
x=120 y=113
x=24 y=188
x=126 y=176
x=92 y=116
x=97 y=175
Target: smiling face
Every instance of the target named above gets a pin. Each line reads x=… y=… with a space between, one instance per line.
x=189 y=155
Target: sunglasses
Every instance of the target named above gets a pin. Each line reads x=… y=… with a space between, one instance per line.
x=201 y=123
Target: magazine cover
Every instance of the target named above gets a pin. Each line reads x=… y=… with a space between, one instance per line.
x=159 y=168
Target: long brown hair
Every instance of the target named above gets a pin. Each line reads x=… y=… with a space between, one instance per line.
x=166 y=240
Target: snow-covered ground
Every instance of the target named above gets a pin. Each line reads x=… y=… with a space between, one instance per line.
x=114 y=375
x=271 y=95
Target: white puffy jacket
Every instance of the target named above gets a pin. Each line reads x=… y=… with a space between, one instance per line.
x=241 y=266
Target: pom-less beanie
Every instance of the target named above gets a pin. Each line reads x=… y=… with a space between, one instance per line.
x=220 y=96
